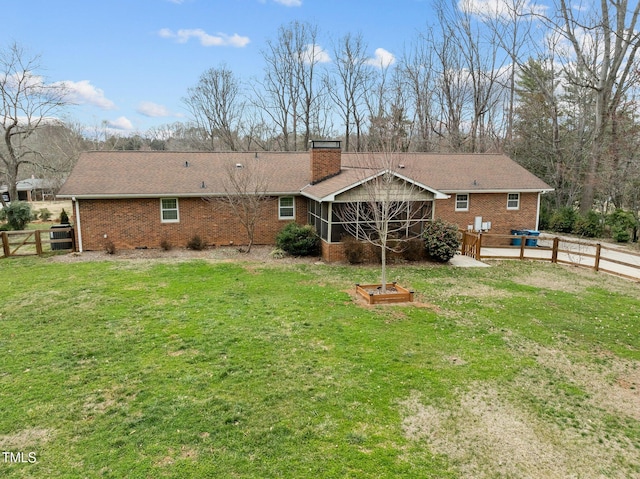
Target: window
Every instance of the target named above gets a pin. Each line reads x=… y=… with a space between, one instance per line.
x=286 y=208
x=513 y=201
x=462 y=202
x=169 y=210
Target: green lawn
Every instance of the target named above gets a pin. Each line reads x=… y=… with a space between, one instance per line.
x=194 y=369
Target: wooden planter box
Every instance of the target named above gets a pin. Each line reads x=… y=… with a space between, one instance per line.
x=370 y=293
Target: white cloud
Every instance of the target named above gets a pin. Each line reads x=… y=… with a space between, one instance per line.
x=153 y=110
x=206 y=40
x=316 y=54
x=122 y=123
x=290 y=3
x=382 y=58
x=501 y=9
x=84 y=93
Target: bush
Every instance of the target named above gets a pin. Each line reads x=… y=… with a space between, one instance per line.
x=277 y=254
x=196 y=243
x=563 y=220
x=64 y=217
x=354 y=250
x=441 y=240
x=44 y=214
x=298 y=240
x=414 y=250
x=622 y=222
x=109 y=247
x=589 y=225
x=166 y=245
x=18 y=215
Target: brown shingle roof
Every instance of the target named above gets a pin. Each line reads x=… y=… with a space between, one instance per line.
x=152 y=173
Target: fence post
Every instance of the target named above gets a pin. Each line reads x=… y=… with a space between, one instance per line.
x=5 y=244
x=478 y=254
x=554 y=252
x=596 y=265
x=38 y=243
x=522 y=244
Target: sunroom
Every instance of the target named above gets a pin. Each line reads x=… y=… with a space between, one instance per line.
x=355 y=203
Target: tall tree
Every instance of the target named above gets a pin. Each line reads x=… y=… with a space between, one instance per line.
x=604 y=41
x=216 y=107
x=289 y=96
x=348 y=85
x=27 y=103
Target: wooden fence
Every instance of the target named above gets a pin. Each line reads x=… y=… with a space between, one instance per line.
x=36 y=242
x=596 y=256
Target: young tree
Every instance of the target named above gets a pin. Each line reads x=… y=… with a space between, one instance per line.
x=26 y=104
x=245 y=192
x=389 y=209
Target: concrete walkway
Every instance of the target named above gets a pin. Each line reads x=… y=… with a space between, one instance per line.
x=462 y=261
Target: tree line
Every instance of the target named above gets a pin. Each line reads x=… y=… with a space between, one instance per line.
x=553 y=87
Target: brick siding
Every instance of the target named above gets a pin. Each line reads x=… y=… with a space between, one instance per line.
x=325 y=163
x=135 y=223
x=131 y=223
x=492 y=207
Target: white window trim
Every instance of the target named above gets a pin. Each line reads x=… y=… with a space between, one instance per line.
x=162 y=210
x=456 y=201
x=293 y=208
x=508 y=200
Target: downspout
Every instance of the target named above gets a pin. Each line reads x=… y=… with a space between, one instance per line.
x=77 y=204
x=538 y=211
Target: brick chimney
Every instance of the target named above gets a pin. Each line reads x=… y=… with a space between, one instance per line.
x=325 y=159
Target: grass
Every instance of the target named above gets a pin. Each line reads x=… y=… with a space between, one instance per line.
x=197 y=369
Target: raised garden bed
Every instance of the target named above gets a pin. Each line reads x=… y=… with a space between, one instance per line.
x=372 y=293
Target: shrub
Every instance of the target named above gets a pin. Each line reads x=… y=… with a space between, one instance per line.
x=277 y=254
x=414 y=250
x=589 y=225
x=44 y=214
x=441 y=240
x=354 y=250
x=563 y=220
x=621 y=222
x=64 y=217
x=196 y=243
x=298 y=240
x=109 y=247
x=166 y=245
x=18 y=215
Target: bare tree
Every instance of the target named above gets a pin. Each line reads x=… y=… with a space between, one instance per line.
x=245 y=192
x=289 y=95
x=26 y=104
x=216 y=106
x=348 y=86
x=387 y=209
x=604 y=41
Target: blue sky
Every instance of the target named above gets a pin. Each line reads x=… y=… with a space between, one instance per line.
x=129 y=62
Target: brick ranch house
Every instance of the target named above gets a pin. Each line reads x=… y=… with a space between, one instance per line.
x=139 y=199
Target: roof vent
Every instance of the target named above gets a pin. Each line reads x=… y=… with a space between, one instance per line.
x=203 y=186
x=401 y=167
x=239 y=165
x=186 y=164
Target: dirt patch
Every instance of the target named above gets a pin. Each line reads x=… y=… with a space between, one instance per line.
x=486 y=436
x=258 y=254
x=613 y=384
x=24 y=439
